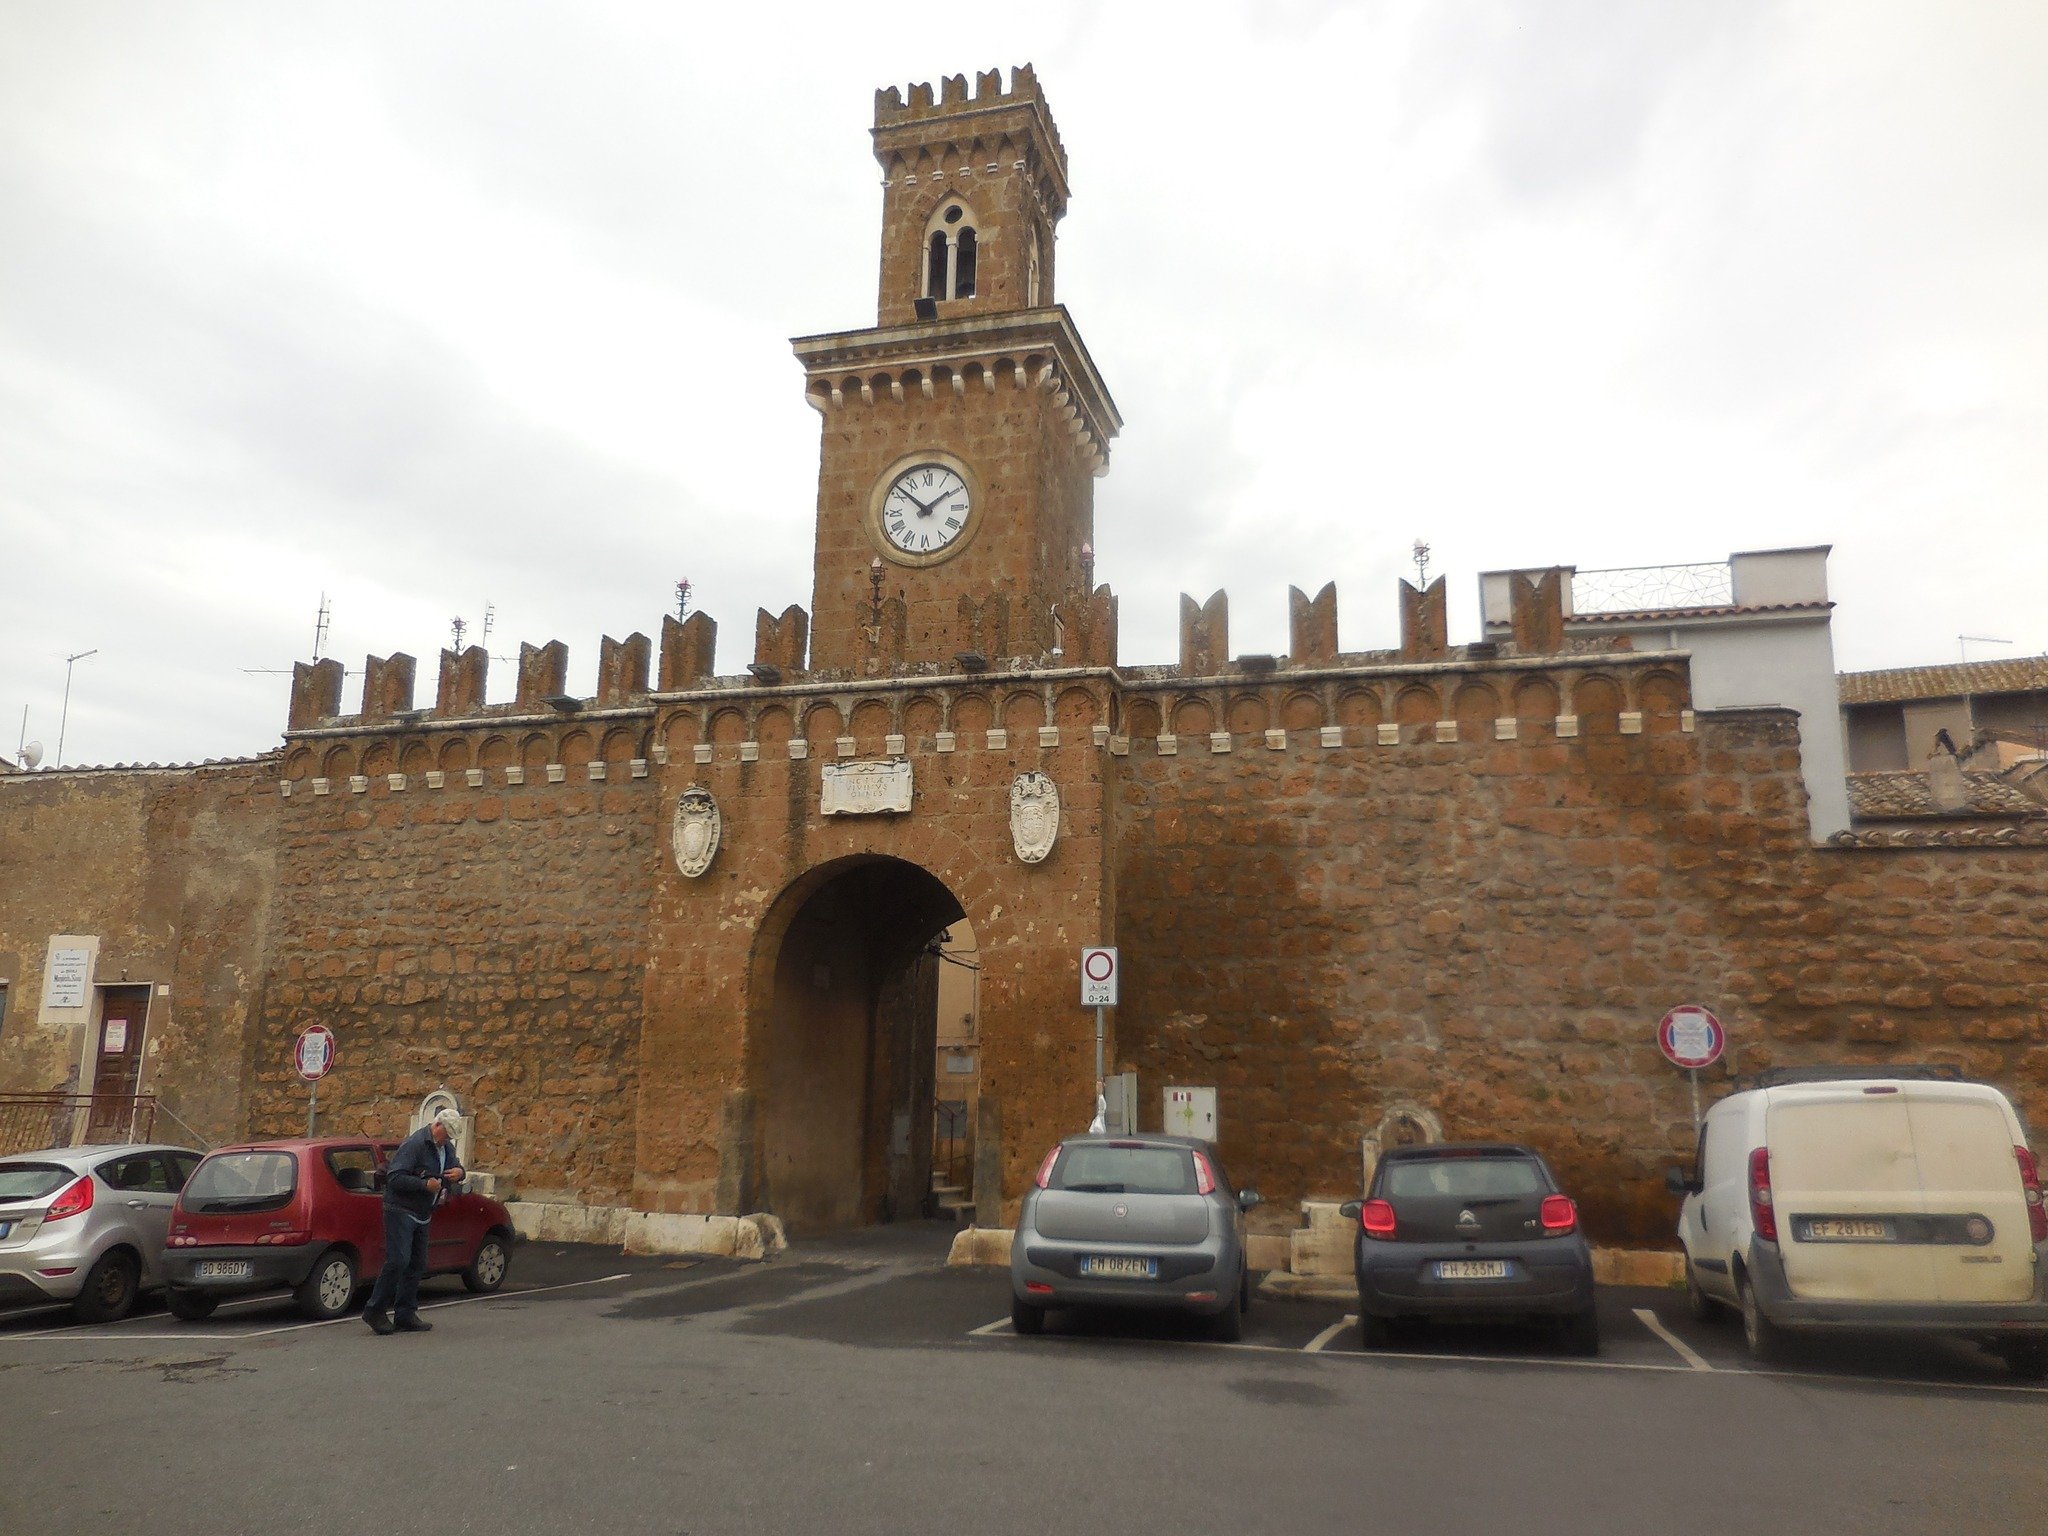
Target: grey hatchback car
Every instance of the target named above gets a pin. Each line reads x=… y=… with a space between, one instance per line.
x=1132 y=1221
x=85 y=1225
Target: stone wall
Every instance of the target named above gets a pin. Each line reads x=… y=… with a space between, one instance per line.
x=1489 y=930
x=171 y=870
x=486 y=937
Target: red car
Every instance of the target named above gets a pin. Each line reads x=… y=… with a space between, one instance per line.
x=308 y=1217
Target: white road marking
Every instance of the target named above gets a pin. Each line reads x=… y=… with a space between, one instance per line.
x=1685 y=1351
x=267 y=1298
x=1000 y=1325
x=1560 y=1362
x=264 y=1333
x=1315 y=1345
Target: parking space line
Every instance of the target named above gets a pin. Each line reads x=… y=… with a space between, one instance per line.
x=1000 y=1325
x=1685 y=1351
x=1315 y=1345
x=264 y=1333
x=72 y=1330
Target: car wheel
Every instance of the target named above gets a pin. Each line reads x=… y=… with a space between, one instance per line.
x=109 y=1290
x=486 y=1271
x=1764 y=1337
x=189 y=1306
x=327 y=1291
x=2029 y=1362
x=1582 y=1333
x=1375 y=1332
x=1702 y=1307
x=1025 y=1318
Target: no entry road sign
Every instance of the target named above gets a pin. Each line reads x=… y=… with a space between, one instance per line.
x=1098 y=978
x=313 y=1054
x=1690 y=1037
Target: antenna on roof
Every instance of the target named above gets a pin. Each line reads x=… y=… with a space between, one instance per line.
x=1963 y=643
x=1420 y=555
x=683 y=598
x=320 y=627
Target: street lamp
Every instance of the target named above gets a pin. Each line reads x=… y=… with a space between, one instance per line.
x=65 y=714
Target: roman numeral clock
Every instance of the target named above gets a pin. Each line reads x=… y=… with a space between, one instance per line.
x=923 y=509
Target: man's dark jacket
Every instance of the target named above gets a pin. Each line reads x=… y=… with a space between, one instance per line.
x=417 y=1160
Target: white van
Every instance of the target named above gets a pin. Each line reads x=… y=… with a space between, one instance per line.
x=1869 y=1202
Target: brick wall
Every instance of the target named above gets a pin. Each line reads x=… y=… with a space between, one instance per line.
x=172 y=870
x=488 y=939
x=1491 y=929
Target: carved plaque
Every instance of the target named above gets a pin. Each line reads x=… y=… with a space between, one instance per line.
x=695 y=831
x=1034 y=816
x=865 y=789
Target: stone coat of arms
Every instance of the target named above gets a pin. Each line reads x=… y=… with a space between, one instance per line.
x=694 y=832
x=1034 y=816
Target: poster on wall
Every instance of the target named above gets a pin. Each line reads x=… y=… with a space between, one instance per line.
x=70 y=976
x=114 y=1039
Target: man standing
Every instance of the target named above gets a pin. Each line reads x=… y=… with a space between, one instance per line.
x=419 y=1172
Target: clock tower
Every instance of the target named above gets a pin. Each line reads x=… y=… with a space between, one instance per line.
x=963 y=431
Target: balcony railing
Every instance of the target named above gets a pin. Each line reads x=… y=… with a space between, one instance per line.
x=30 y=1122
x=1651 y=588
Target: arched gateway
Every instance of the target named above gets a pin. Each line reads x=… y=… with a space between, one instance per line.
x=840 y=1060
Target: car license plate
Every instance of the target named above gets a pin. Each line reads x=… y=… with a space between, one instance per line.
x=1472 y=1269
x=1835 y=1230
x=223 y=1269
x=1102 y=1266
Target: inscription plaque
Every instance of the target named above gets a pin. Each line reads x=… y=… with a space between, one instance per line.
x=865 y=789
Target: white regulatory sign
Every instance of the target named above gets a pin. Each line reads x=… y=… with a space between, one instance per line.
x=1098 y=978
x=313 y=1053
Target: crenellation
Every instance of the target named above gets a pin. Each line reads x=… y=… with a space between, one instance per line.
x=622 y=669
x=782 y=642
x=543 y=674
x=316 y=693
x=1204 y=634
x=387 y=686
x=1312 y=626
x=1537 y=611
x=688 y=647
x=1425 y=623
x=462 y=681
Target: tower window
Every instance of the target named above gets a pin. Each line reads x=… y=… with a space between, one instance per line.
x=951 y=249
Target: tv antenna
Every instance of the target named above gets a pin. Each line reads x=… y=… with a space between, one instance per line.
x=1420 y=555
x=683 y=598
x=64 y=717
x=320 y=627
x=1964 y=642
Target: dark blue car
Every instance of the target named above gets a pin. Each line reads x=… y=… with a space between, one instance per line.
x=1476 y=1231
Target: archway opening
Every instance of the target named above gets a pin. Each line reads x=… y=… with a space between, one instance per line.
x=847 y=1054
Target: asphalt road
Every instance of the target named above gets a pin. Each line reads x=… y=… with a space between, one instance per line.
x=853 y=1385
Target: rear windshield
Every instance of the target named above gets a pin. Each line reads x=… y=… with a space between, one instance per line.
x=242 y=1181
x=1462 y=1178
x=1125 y=1170
x=32 y=1181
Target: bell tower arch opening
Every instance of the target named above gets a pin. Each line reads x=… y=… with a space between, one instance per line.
x=842 y=1055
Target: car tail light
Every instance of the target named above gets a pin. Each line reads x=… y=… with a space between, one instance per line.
x=1037 y=1288
x=1762 y=1215
x=1205 y=1176
x=75 y=1200
x=1044 y=1179
x=1559 y=1215
x=1377 y=1218
x=2030 y=1177
x=284 y=1239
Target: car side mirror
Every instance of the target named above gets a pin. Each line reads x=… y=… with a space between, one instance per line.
x=1350 y=1209
x=1247 y=1198
x=1676 y=1181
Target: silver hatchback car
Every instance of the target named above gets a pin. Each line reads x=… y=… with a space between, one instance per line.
x=86 y=1225
x=1132 y=1221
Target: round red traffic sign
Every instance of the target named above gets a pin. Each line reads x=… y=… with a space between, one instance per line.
x=313 y=1054
x=1691 y=1037
x=1098 y=964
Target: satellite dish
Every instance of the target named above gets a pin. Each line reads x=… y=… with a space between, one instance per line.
x=32 y=755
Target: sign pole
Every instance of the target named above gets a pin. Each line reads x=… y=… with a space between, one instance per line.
x=1098 y=1050
x=312 y=1106
x=1694 y=1074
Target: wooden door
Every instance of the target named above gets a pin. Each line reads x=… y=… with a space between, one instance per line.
x=117 y=1069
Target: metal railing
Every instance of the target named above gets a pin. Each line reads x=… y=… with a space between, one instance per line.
x=31 y=1121
x=1648 y=588
x=952 y=1147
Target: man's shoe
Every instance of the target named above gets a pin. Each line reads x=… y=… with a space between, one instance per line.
x=380 y=1322
x=410 y=1322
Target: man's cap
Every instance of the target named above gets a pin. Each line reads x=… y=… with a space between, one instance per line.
x=450 y=1120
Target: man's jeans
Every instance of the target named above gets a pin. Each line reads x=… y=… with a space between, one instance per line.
x=405 y=1261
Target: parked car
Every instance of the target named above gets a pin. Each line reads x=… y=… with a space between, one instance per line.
x=1893 y=1203
x=1132 y=1221
x=308 y=1217
x=1471 y=1231
x=85 y=1225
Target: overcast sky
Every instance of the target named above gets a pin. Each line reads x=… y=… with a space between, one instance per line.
x=429 y=307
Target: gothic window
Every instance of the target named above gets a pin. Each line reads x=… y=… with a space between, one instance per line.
x=950 y=251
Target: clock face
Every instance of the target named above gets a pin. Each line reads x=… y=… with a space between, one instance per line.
x=926 y=509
